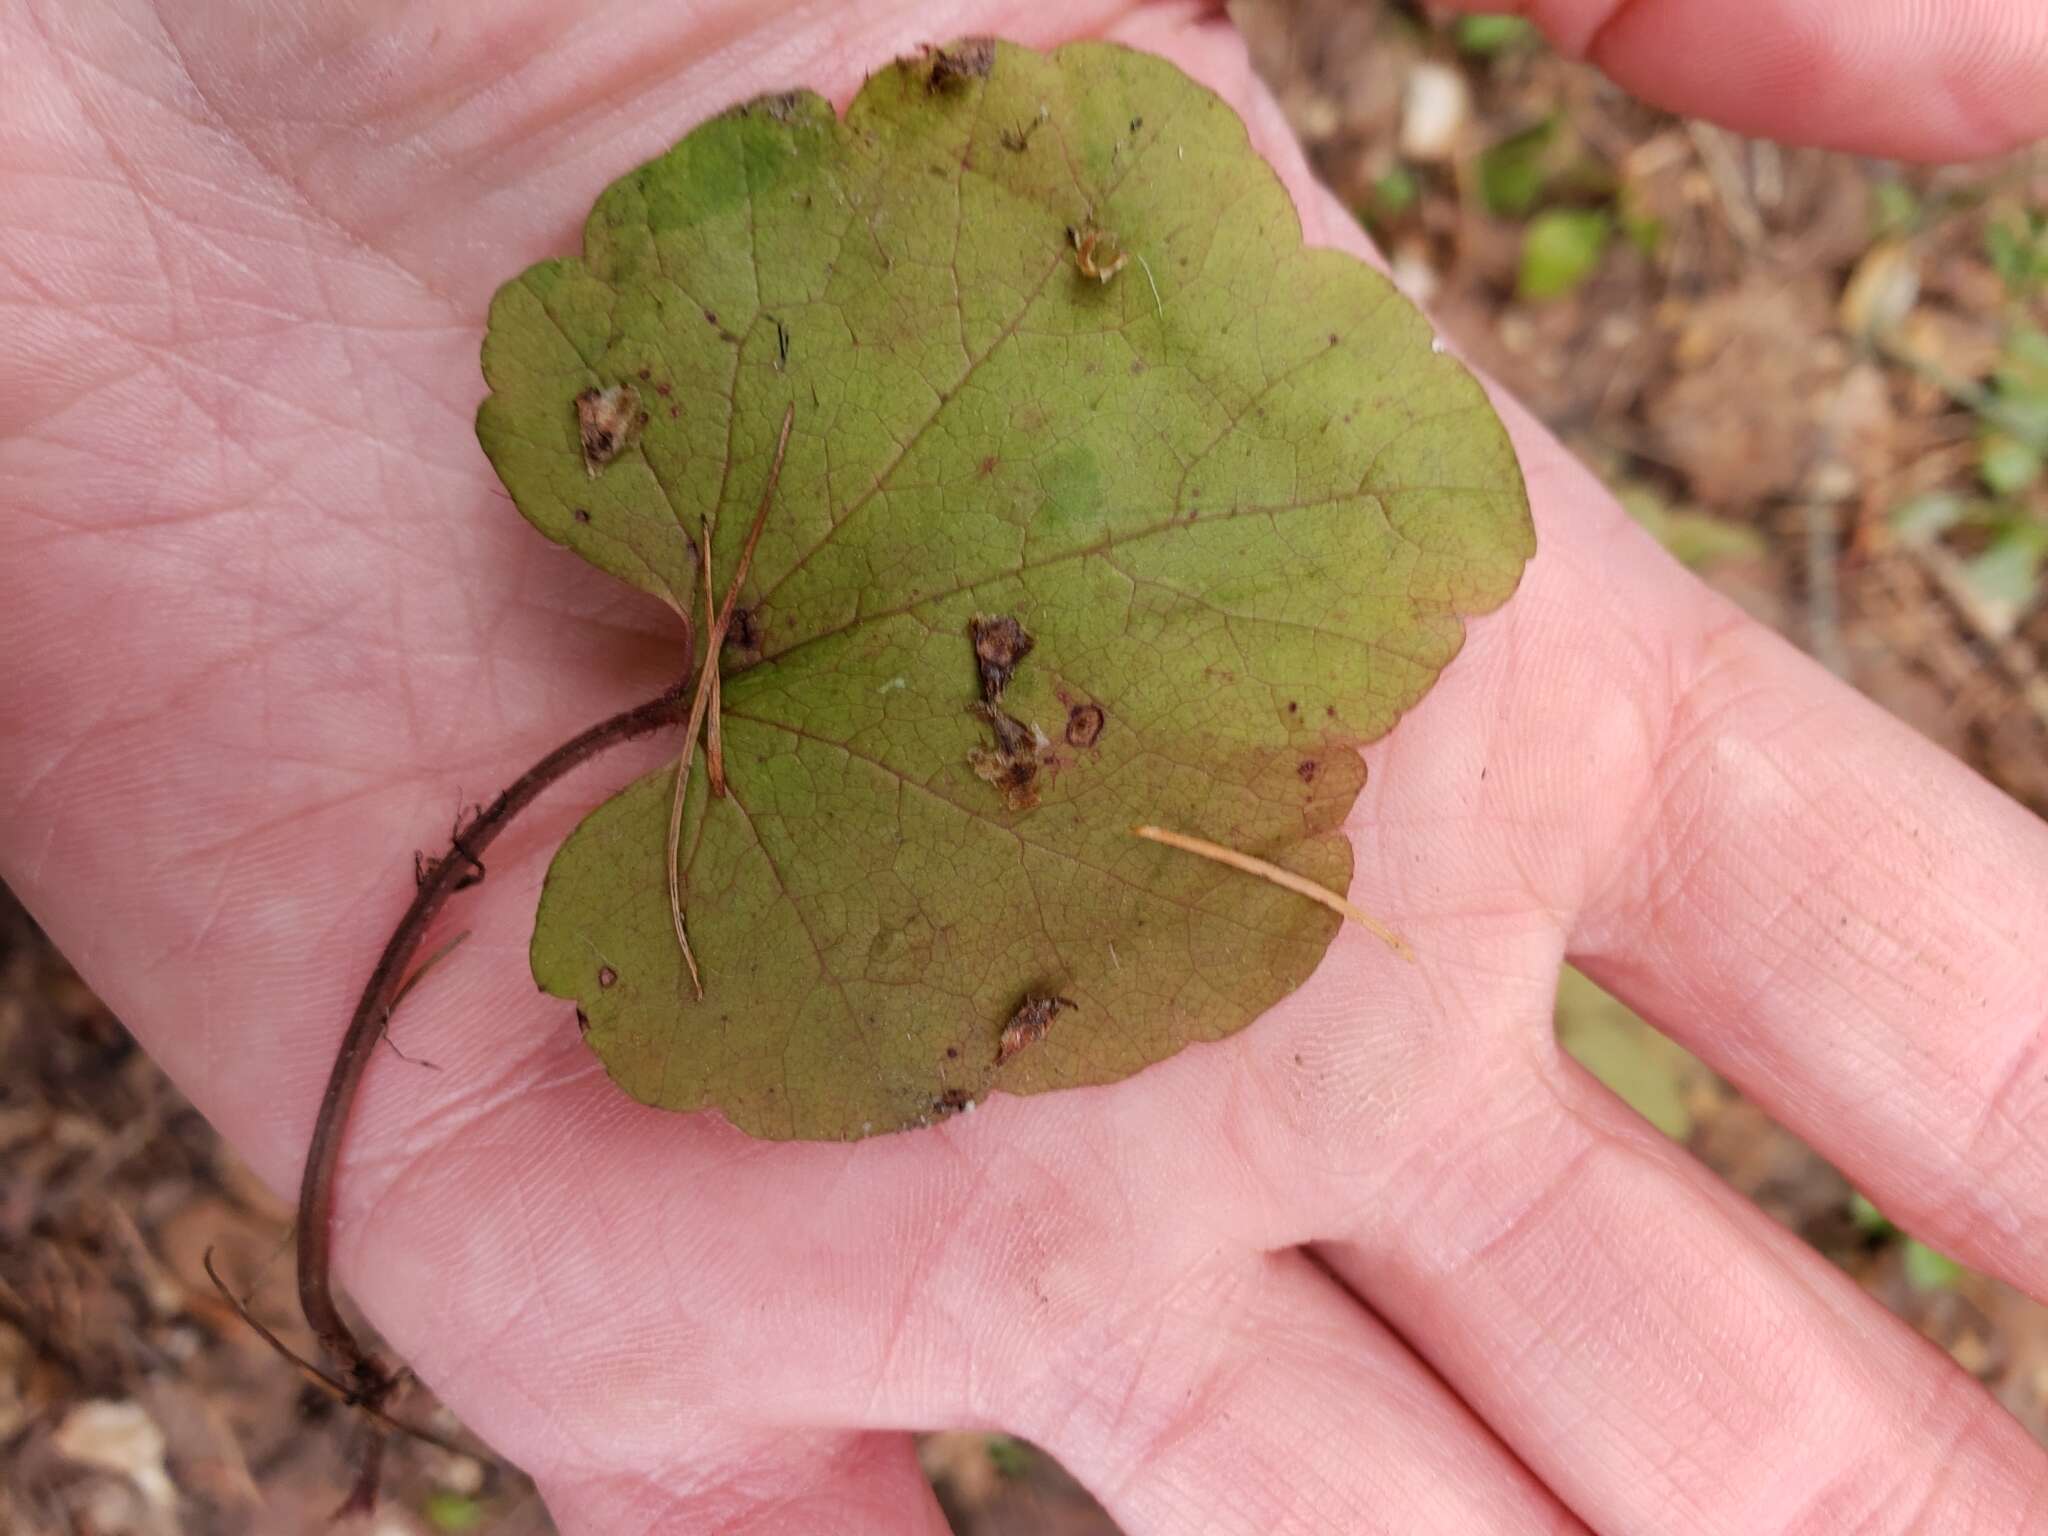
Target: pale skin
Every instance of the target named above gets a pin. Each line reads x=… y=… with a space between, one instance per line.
x=1385 y=1261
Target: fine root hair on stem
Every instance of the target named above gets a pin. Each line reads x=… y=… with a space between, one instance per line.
x=320 y=1378
x=1286 y=879
x=707 y=691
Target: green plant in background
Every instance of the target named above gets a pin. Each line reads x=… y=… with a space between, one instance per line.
x=1486 y=36
x=2003 y=525
x=1895 y=210
x=1513 y=172
x=1011 y=1457
x=1699 y=541
x=453 y=1512
x=1546 y=171
x=2018 y=249
x=1928 y=1269
x=1561 y=248
x=1925 y=1268
x=1642 y=1068
x=1394 y=195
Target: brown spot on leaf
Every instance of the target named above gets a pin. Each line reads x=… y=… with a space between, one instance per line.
x=644 y=375
x=1028 y=1024
x=581 y=514
x=1097 y=252
x=950 y=1103
x=744 y=633
x=1013 y=737
x=969 y=59
x=1016 y=776
x=1084 y=724
x=1013 y=765
x=1306 y=770
x=1293 y=708
x=988 y=465
x=999 y=644
x=781 y=106
x=606 y=976
x=606 y=420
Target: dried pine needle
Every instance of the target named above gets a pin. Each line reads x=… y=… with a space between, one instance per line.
x=707 y=691
x=1284 y=878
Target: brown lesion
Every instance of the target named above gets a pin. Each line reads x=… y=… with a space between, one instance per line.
x=1098 y=254
x=957 y=64
x=1028 y=1025
x=1084 y=725
x=607 y=421
x=1015 y=775
x=1000 y=642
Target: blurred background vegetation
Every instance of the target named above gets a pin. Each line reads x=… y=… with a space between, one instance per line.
x=1821 y=381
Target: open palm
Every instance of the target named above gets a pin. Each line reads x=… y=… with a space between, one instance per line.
x=1383 y=1261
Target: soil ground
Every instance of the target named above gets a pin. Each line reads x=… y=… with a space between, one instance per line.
x=1773 y=353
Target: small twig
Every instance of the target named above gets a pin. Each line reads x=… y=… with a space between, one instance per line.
x=1728 y=182
x=1284 y=878
x=707 y=682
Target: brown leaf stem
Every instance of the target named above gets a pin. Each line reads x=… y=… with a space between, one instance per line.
x=363 y=1381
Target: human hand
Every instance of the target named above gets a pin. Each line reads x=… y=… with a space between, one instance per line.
x=1384 y=1260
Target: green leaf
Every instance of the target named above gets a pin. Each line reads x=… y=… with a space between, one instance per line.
x=1866 y=1218
x=1644 y=231
x=2007 y=465
x=1011 y=1457
x=1895 y=209
x=1561 y=249
x=1393 y=195
x=453 y=1512
x=2018 y=252
x=1928 y=1269
x=1511 y=173
x=1232 y=491
x=1700 y=541
x=1486 y=35
x=2006 y=577
x=1926 y=517
x=1644 y=1069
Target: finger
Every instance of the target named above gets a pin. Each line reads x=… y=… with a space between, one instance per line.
x=1843 y=920
x=1954 y=81
x=1836 y=915
x=795 y=1484
x=1657 y=1351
